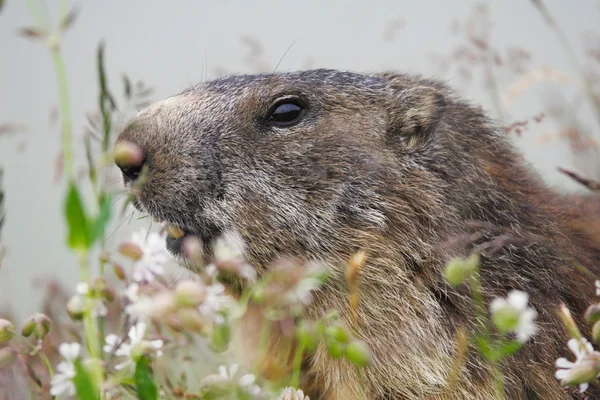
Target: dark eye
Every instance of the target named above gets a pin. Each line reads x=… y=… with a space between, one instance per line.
x=286 y=113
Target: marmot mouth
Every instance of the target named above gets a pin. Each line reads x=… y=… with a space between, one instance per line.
x=175 y=238
x=177 y=235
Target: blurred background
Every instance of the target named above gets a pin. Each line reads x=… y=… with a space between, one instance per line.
x=535 y=66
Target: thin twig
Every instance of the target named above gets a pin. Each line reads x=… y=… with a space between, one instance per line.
x=589 y=183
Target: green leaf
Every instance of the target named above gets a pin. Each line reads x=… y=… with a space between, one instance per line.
x=77 y=221
x=221 y=336
x=97 y=229
x=484 y=347
x=508 y=348
x=145 y=385
x=84 y=384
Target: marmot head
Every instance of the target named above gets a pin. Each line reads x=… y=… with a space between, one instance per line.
x=304 y=163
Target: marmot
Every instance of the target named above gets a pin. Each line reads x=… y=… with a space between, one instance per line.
x=323 y=163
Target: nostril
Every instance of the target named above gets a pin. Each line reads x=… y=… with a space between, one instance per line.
x=131 y=172
x=130 y=159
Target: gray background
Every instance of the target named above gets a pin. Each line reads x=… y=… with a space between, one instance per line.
x=170 y=45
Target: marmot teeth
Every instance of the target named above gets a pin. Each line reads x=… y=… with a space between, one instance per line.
x=174 y=231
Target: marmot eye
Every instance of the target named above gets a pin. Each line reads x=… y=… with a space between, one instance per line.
x=285 y=114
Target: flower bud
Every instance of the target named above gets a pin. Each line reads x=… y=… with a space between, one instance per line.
x=108 y=294
x=189 y=293
x=258 y=293
x=592 y=314
x=37 y=325
x=173 y=322
x=131 y=250
x=358 y=353
x=104 y=257
x=119 y=272
x=568 y=322
x=335 y=348
x=76 y=307
x=337 y=333
x=190 y=319
x=353 y=267
x=308 y=337
x=596 y=332
x=7 y=331
x=458 y=269
x=192 y=248
x=221 y=336
x=215 y=385
x=163 y=304
x=7 y=356
x=128 y=154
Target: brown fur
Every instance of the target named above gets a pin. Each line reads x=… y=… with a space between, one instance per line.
x=395 y=165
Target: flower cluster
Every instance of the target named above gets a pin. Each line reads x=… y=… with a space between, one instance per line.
x=62 y=382
x=586 y=367
x=513 y=315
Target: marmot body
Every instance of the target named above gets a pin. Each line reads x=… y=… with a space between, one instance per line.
x=322 y=163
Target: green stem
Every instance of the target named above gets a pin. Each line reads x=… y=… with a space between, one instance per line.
x=498 y=381
x=47 y=364
x=65 y=110
x=479 y=303
x=482 y=329
x=89 y=324
x=297 y=366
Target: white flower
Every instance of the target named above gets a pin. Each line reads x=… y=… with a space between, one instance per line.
x=136 y=344
x=585 y=359
x=62 y=381
x=215 y=302
x=230 y=249
x=301 y=294
x=96 y=304
x=597 y=288
x=139 y=307
x=154 y=255
x=513 y=315
x=246 y=381
x=289 y=393
x=82 y=288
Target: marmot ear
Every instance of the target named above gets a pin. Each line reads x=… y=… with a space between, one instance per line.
x=414 y=116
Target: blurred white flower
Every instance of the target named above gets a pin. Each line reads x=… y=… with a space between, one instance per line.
x=139 y=307
x=154 y=255
x=95 y=303
x=585 y=366
x=135 y=348
x=301 y=293
x=513 y=315
x=246 y=381
x=597 y=288
x=289 y=393
x=215 y=302
x=229 y=253
x=62 y=381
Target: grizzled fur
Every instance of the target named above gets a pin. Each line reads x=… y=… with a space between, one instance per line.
x=393 y=164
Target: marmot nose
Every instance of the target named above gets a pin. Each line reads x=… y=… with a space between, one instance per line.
x=131 y=172
x=130 y=159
